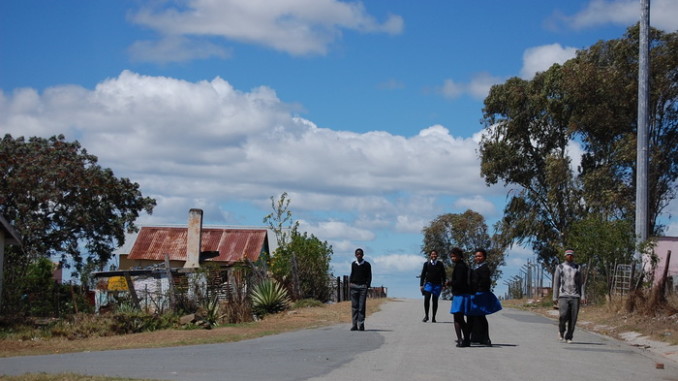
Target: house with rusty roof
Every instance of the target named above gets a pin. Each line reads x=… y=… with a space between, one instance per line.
x=164 y=258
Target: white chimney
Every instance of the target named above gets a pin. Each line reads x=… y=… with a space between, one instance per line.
x=194 y=238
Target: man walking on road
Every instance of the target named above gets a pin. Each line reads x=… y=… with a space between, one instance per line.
x=359 y=282
x=568 y=291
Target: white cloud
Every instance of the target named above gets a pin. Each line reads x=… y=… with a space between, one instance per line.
x=399 y=262
x=297 y=27
x=540 y=58
x=478 y=87
x=410 y=224
x=335 y=229
x=625 y=12
x=208 y=144
x=476 y=203
x=575 y=152
x=176 y=49
x=451 y=89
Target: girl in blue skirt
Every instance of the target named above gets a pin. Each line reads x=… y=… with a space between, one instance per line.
x=461 y=297
x=483 y=301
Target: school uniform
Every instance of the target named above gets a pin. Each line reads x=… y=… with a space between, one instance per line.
x=432 y=279
x=483 y=302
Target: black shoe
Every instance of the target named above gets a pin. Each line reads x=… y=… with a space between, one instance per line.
x=487 y=343
x=425 y=319
x=362 y=328
x=354 y=328
x=433 y=320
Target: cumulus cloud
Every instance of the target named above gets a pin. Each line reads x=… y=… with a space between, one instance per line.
x=624 y=12
x=540 y=58
x=297 y=27
x=207 y=144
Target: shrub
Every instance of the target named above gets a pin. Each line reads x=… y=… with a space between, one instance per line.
x=81 y=326
x=137 y=321
x=303 y=303
x=269 y=297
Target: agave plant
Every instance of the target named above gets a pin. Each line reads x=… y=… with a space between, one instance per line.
x=269 y=297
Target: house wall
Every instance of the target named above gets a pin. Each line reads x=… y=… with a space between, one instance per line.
x=664 y=244
x=152 y=290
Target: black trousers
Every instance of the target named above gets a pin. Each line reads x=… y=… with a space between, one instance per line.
x=427 y=303
x=358 y=304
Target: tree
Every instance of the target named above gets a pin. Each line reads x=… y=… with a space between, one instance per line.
x=525 y=145
x=281 y=217
x=63 y=204
x=301 y=262
x=602 y=83
x=601 y=244
x=311 y=257
x=591 y=101
x=468 y=231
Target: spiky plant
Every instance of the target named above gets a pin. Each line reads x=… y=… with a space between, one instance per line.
x=269 y=297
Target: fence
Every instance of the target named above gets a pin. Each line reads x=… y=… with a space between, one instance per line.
x=530 y=282
x=341 y=290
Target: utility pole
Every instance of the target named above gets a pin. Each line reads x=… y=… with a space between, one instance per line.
x=642 y=138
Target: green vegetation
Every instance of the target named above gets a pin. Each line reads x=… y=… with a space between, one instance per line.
x=269 y=297
x=301 y=263
x=63 y=205
x=467 y=231
x=532 y=127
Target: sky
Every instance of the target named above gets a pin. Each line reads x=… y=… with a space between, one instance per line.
x=368 y=114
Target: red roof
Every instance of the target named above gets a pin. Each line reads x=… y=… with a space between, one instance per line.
x=233 y=245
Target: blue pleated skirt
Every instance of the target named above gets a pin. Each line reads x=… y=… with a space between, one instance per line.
x=461 y=303
x=484 y=303
x=434 y=289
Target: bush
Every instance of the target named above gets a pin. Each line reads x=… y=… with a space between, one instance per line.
x=137 y=321
x=81 y=326
x=269 y=297
x=304 y=303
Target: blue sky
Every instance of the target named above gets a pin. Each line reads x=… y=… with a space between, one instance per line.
x=367 y=114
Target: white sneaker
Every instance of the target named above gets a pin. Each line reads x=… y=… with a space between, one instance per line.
x=569 y=341
x=560 y=338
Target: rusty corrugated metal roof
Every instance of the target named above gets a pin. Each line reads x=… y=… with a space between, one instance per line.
x=233 y=245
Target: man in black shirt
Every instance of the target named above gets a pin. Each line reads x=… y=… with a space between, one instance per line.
x=359 y=281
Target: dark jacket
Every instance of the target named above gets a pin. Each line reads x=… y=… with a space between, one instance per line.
x=481 y=278
x=433 y=274
x=361 y=274
x=460 y=279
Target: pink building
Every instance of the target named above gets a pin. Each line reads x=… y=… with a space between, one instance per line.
x=664 y=245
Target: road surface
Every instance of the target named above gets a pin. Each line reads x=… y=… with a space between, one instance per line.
x=396 y=346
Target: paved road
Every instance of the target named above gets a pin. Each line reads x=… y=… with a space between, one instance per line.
x=396 y=346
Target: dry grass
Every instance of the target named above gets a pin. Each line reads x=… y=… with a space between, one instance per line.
x=659 y=323
x=310 y=317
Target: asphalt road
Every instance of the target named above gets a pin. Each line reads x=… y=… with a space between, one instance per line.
x=396 y=346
